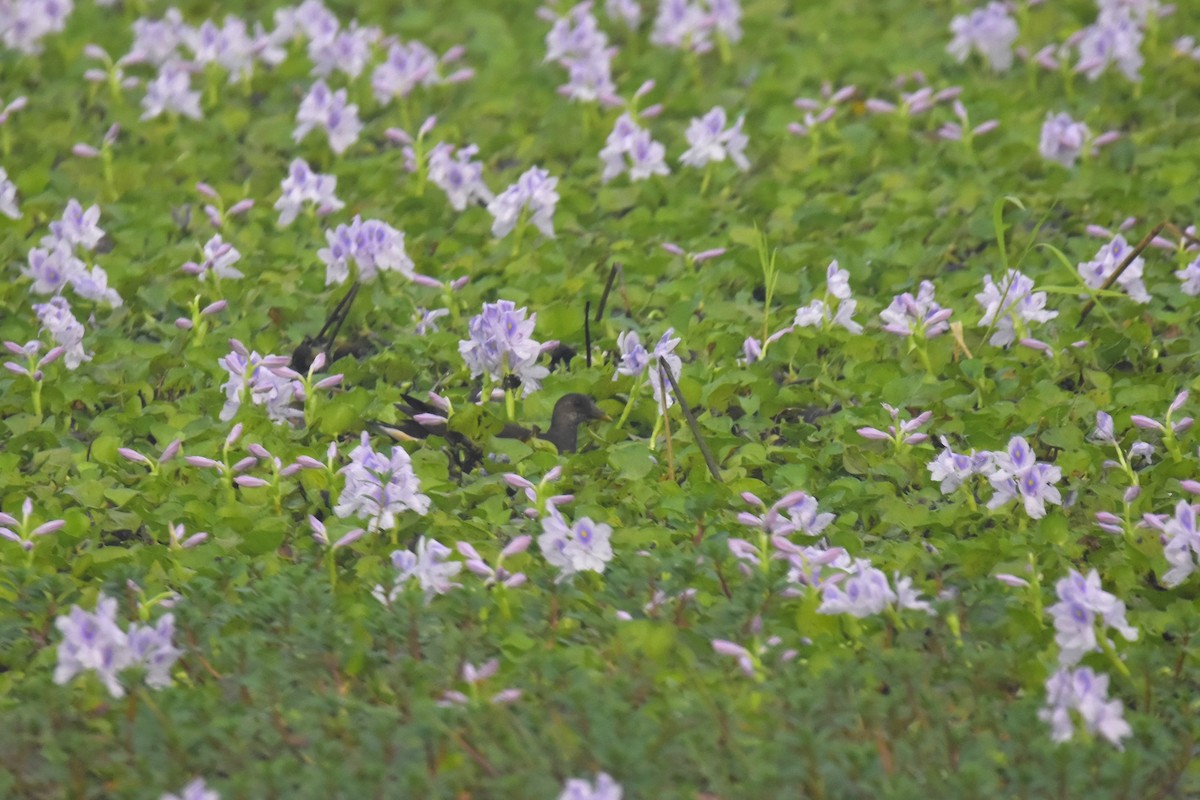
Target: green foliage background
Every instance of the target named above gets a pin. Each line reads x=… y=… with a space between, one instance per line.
x=291 y=688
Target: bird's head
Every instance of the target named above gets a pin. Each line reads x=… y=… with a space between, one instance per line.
x=577 y=408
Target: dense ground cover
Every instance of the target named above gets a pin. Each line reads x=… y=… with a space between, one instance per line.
x=993 y=599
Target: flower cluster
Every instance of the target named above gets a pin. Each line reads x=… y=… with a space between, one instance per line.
x=328 y=110
x=636 y=362
x=865 y=591
x=1096 y=272
x=196 y=790
x=1082 y=603
x=899 y=433
x=372 y=245
x=454 y=171
x=473 y=675
x=378 y=487
x=410 y=65
x=533 y=192
x=266 y=379
x=66 y=331
x=429 y=566
x=1115 y=38
x=605 y=788
x=1063 y=139
x=24 y=23
x=501 y=344
x=303 y=186
x=56 y=265
x=1008 y=307
x=1016 y=474
x=171 y=93
x=629 y=148
x=818 y=112
x=836 y=308
x=919 y=316
x=219 y=259
x=1086 y=694
x=709 y=140
x=689 y=24
x=576 y=43
x=951 y=469
x=23 y=531
x=94 y=641
x=8 y=197
x=989 y=31
x=583 y=546
x=1180 y=539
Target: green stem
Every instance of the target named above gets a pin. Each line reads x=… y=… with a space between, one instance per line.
x=332 y=568
x=633 y=393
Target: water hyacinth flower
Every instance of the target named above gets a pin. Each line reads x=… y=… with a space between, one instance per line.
x=410 y=65
x=171 y=93
x=795 y=512
x=576 y=42
x=818 y=112
x=605 y=788
x=497 y=574
x=93 y=641
x=473 y=675
x=371 y=246
x=629 y=148
x=427 y=320
x=265 y=379
x=581 y=547
x=1063 y=139
x=380 y=487
x=1083 y=693
x=534 y=192
x=1016 y=474
x=52 y=268
x=637 y=362
x=1009 y=306
x=328 y=110
x=627 y=11
x=501 y=344
x=1115 y=38
x=219 y=258
x=196 y=790
x=77 y=228
x=989 y=31
x=348 y=51
x=1082 y=604
x=156 y=41
x=836 y=308
x=919 y=316
x=709 y=140
x=682 y=24
x=1189 y=277
x=952 y=469
x=1181 y=541
x=1097 y=271
x=429 y=566
x=865 y=591
x=454 y=171
x=303 y=186
x=8 y=197
x=229 y=46
x=962 y=131
x=22 y=531
x=30 y=21
x=56 y=319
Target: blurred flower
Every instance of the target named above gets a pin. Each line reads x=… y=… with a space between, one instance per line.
x=328 y=110
x=8 y=197
x=229 y=46
x=583 y=546
x=683 y=24
x=1181 y=541
x=264 y=379
x=709 y=140
x=57 y=319
x=301 y=186
x=52 y=269
x=347 y=51
x=1010 y=305
x=826 y=311
x=899 y=433
x=171 y=92
x=156 y=42
x=1016 y=474
x=1113 y=39
x=1063 y=139
x=219 y=258
x=378 y=488
x=1189 y=276
x=408 y=66
x=372 y=245
x=605 y=788
x=473 y=675
x=795 y=512
x=865 y=591
x=918 y=316
x=534 y=191
x=1085 y=693
x=1109 y=257
x=22 y=531
x=497 y=574
x=952 y=469
x=1082 y=602
x=627 y=11
x=989 y=31
x=427 y=320
x=501 y=343
x=630 y=148
x=962 y=130
x=196 y=790
x=429 y=566
x=24 y=23
x=453 y=171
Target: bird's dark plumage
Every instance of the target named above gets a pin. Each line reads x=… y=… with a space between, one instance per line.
x=571 y=411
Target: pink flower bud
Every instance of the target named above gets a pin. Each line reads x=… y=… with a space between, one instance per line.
x=250 y=482
x=133 y=455
x=1147 y=423
x=207 y=191
x=202 y=462
x=1012 y=580
x=329 y=382
x=517 y=545
x=241 y=207
x=245 y=464
x=234 y=434
x=350 y=538
x=85 y=151
x=170 y=451
x=46 y=528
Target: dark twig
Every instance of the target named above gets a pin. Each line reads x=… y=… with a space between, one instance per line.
x=691 y=421
x=612 y=276
x=1133 y=254
x=587 y=332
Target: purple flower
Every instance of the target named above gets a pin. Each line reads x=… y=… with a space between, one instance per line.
x=266 y=382
x=23 y=531
x=230 y=46
x=196 y=790
x=1010 y=305
x=151 y=648
x=171 y=92
x=899 y=433
x=682 y=24
x=378 y=488
x=709 y=140
x=1109 y=257
x=501 y=344
x=24 y=24
x=1063 y=139
x=406 y=67
x=836 y=308
x=1017 y=475
x=1189 y=276
x=627 y=11
x=1086 y=694
x=1181 y=541
x=77 y=228
x=347 y=51
x=302 y=186
x=1082 y=603
x=918 y=316
x=534 y=191
x=629 y=148
x=429 y=566
x=1114 y=39
x=328 y=110
x=57 y=319
x=795 y=512
x=952 y=469
x=372 y=245
x=219 y=258
x=989 y=31
x=53 y=268
x=581 y=547
x=454 y=172
x=865 y=591
x=605 y=788
x=157 y=42
x=8 y=197
x=427 y=320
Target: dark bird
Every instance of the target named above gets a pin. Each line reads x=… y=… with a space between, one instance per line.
x=464 y=431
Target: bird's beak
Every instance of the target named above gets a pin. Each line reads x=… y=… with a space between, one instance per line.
x=604 y=417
